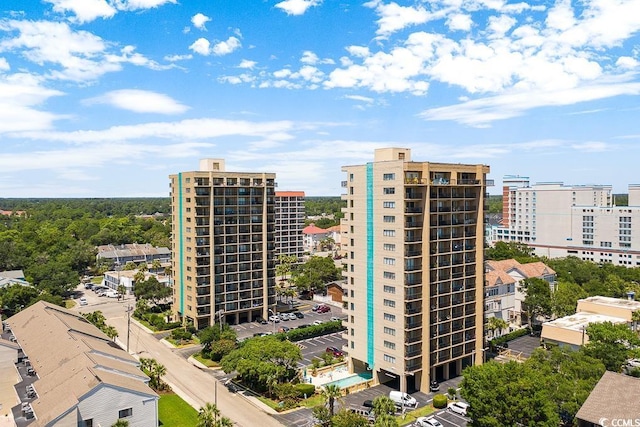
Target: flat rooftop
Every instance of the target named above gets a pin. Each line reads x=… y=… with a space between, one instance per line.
x=577 y=321
x=614 y=302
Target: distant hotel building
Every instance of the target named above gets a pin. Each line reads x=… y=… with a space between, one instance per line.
x=558 y=220
x=223 y=244
x=413 y=235
x=289 y=223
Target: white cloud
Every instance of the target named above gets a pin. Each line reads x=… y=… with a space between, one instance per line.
x=4 y=64
x=199 y=21
x=201 y=46
x=84 y=10
x=360 y=98
x=591 y=146
x=175 y=58
x=394 y=17
x=297 y=7
x=245 y=63
x=281 y=74
x=311 y=58
x=140 y=101
x=481 y=112
x=459 y=22
x=142 y=4
x=226 y=47
x=191 y=130
x=20 y=97
x=627 y=62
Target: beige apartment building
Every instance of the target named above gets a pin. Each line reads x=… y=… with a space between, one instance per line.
x=289 y=223
x=413 y=235
x=223 y=244
x=558 y=220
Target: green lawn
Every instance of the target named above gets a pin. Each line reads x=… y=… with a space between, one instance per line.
x=206 y=362
x=410 y=417
x=175 y=412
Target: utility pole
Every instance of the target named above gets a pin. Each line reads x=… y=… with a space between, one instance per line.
x=128 y=325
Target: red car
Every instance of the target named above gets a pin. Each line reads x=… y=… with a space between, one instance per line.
x=323 y=309
x=335 y=351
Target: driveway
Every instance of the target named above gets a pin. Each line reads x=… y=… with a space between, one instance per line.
x=525 y=345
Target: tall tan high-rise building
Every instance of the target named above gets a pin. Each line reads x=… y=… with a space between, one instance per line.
x=223 y=242
x=289 y=223
x=414 y=235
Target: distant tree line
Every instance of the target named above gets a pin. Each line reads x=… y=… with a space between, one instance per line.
x=55 y=241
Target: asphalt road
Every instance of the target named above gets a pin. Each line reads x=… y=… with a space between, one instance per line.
x=197 y=387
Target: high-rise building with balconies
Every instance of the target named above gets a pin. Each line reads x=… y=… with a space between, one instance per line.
x=414 y=237
x=289 y=223
x=223 y=244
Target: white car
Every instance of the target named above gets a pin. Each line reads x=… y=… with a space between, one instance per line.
x=428 y=422
x=318 y=322
x=274 y=318
x=335 y=319
x=292 y=316
x=83 y=301
x=633 y=363
x=284 y=316
x=459 y=408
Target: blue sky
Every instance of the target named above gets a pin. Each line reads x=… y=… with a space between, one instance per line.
x=106 y=98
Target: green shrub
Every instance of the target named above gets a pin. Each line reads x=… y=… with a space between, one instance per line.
x=508 y=337
x=452 y=392
x=180 y=334
x=440 y=401
x=305 y=389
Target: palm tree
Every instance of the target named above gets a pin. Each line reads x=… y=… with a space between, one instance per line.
x=208 y=415
x=495 y=323
x=121 y=423
x=332 y=392
x=111 y=332
x=635 y=317
x=121 y=291
x=156 y=265
x=383 y=405
x=224 y=422
x=386 y=420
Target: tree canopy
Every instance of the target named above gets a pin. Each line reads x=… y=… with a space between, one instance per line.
x=151 y=290
x=315 y=273
x=612 y=343
x=263 y=361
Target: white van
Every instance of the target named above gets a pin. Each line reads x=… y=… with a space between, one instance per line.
x=402 y=399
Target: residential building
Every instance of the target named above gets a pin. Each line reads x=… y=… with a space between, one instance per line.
x=289 y=211
x=12 y=277
x=414 y=291
x=571 y=330
x=504 y=289
x=558 y=220
x=120 y=255
x=614 y=401
x=313 y=235
x=222 y=244
x=126 y=278
x=69 y=373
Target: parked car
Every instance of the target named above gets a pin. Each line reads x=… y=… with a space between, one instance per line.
x=335 y=319
x=335 y=351
x=368 y=403
x=284 y=316
x=403 y=399
x=428 y=422
x=315 y=307
x=88 y=285
x=303 y=326
x=318 y=322
x=284 y=329
x=323 y=309
x=459 y=408
x=633 y=363
x=275 y=319
x=231 y=386
x=261 y=321
x=434 y=386
x=112 y=294
x=98 y=289
x=83 y=301
x=298 y=314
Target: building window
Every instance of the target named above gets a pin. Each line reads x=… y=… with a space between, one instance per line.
x=390 y=317
x=389 y=359
x=389 y=261
x=390 y=345
x=389 y=190
x=389 y=275
x=389 y=218
x=390 y=205
x=389 y=331
x=389 y=289
x=389 y=233
x=389 y=176
x=389 y=247
x=389 y=303
x=88 y=423
x=124 y=413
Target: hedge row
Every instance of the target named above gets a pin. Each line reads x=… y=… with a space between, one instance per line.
x=440 y=401
x=508 y=337
x=313 y=331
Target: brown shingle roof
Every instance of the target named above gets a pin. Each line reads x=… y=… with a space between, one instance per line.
x=616 y=396
x=532 y=269
x=498 y=277
x=71 y=358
